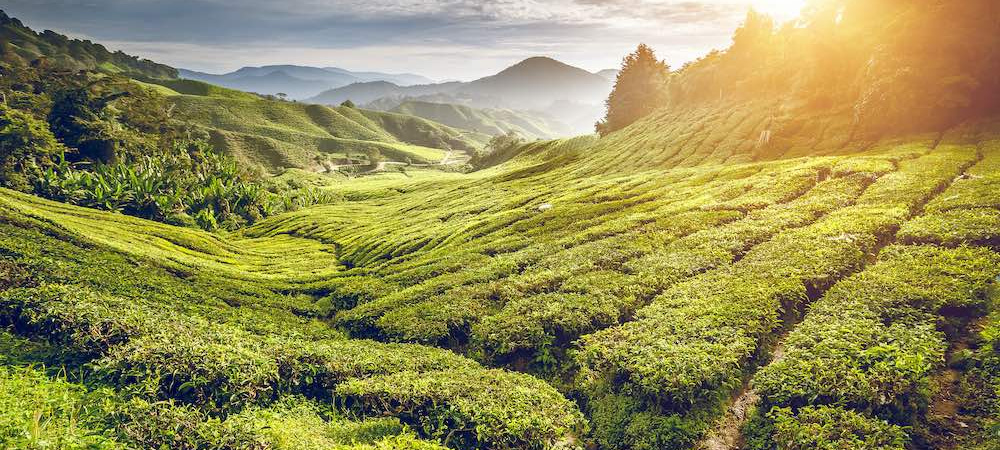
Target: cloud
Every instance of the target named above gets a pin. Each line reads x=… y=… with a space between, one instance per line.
x=402 y=35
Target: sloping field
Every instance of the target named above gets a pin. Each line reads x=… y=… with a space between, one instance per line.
x=622 y=292
x=275 y=134
x=487 y=121
x=285 y=134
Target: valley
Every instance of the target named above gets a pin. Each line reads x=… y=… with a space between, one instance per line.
x=769 y=248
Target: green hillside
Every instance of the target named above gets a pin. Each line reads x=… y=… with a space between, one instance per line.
x=19 y=41
x=487 y=121
x=799 y=248
x=650 y=297
x=273 y=133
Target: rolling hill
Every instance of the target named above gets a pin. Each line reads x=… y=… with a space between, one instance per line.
x=487 y=121
x=298 y=82
x=569 y=94
x=72 y=54
x=761 y=263
x=273 y=134
x=258 y=131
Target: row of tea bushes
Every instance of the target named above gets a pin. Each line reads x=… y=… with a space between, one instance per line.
x=692 y=346
x=871 y=345
x=534 y=322
x=43 y=408
x=147 y=332
x=968 y=212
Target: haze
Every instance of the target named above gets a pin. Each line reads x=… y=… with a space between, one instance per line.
x=444 y=40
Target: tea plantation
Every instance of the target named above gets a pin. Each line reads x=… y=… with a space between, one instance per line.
x=669 y=286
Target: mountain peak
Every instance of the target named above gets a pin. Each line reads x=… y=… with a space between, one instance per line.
x=540 y=62
x=541 y=66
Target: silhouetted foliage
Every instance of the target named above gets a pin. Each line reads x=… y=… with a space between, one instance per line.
x=638 y=90
x=887 y=65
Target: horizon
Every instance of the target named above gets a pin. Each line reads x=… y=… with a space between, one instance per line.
x=418 y=37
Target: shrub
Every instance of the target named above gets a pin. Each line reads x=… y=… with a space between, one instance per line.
x=27 y=148
x=832 y=428
x=38 y=412
x=487 y=416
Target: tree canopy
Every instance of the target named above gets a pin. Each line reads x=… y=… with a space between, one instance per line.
x=638 y=90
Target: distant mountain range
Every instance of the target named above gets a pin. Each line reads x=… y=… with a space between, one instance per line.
x=298 y=82
x=569 y=94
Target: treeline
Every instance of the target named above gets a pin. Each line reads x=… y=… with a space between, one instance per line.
x=892 y=65
x=104 y=141
x=18 y=42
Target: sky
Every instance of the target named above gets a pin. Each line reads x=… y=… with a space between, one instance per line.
x=440 y=39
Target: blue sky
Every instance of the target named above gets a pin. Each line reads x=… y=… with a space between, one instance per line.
x=443 y=39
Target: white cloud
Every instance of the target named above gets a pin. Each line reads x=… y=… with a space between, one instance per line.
x=440 y=38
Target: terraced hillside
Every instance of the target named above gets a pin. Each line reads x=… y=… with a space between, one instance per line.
x=491 y=122
x=793 y=251
x=659 y=288
x=272 y=133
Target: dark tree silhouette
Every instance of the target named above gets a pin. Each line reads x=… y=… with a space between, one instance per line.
x=638 y=90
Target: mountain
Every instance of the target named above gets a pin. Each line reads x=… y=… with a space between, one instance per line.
x=402 y=79
x=608 y=74
x=799 y=249
x=492 y=122
x=269 y=83
x=297 y=82
x=537 y=83
x=59 y=51
x=533 y=84
x=279 y=134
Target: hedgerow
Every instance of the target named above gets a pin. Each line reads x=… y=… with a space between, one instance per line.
x=486 y=414
x=691 y=347
x=832 y=428
x=155 y=336
x=978 y=226
x=872 y=342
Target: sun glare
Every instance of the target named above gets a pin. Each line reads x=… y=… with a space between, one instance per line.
x=780 y=9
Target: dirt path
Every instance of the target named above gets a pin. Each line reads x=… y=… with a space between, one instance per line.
x=727 y=433
x=946 y=425
x=944 y=408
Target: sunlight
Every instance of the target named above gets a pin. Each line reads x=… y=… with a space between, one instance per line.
x=781 y=10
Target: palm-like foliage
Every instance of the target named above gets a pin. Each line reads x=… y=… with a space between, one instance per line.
x=190 y=183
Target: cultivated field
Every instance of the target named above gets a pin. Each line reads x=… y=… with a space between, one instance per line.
x=671 y=286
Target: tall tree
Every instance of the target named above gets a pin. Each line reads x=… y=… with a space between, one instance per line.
x=639 y=89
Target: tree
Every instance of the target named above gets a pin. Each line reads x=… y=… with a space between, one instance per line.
x=281 y=95
x=504 y=142
x=499 y=147
x=639 y=89
x=27 y=147
x=375 y=159
x=349 y=104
